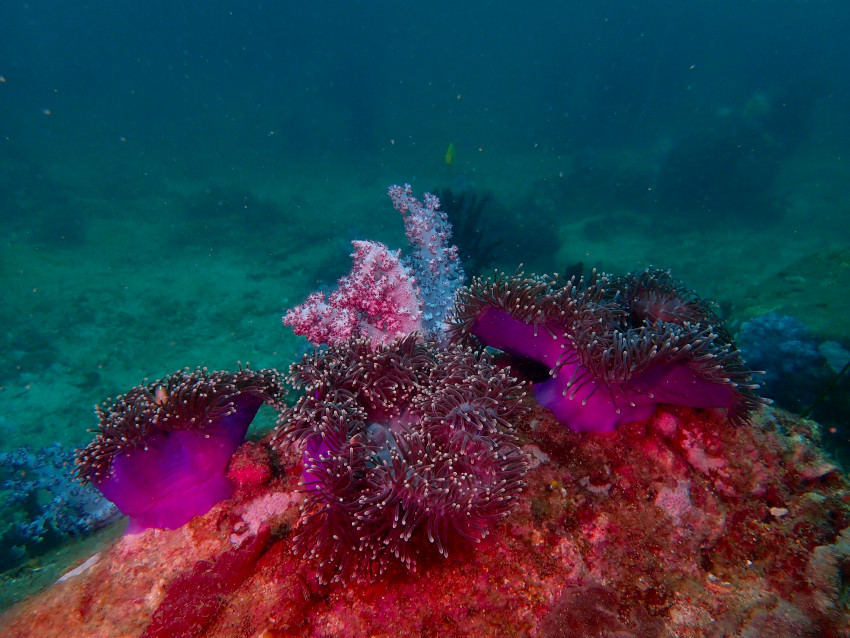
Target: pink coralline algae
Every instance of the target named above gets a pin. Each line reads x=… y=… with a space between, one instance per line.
x=162 y=450
x=611 y=350
x=378 y=300
x=405 y=447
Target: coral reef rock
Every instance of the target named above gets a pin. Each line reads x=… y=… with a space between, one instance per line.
x=679 y=525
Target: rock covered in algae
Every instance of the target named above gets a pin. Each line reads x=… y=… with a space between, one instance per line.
x=680 y=525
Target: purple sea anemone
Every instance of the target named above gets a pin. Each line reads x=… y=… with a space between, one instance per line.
x=614 y=348
x=162 y=450
x=401 y=443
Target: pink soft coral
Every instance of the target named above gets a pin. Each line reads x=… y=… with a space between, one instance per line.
x=378 y=300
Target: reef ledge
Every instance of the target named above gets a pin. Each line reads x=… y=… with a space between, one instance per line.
x=678 y=525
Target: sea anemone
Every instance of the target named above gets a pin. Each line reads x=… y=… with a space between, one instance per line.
x=162 y=450
x=613 y=348
x=402 y=443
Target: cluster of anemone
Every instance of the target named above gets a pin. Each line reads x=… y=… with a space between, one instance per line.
x=161 y=450
x=611 y=348
x=406 y=448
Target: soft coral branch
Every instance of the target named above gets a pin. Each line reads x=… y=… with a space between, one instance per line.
x=434 y=260
x=378 y=300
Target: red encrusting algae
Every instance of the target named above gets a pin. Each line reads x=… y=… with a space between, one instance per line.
x=195 y=597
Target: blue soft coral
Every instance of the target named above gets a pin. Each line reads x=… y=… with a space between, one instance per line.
x=795 y=371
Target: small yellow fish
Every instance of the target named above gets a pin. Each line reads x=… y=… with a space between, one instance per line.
x=450 y=154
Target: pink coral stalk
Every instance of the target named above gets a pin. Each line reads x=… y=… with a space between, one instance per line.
x=378 y=300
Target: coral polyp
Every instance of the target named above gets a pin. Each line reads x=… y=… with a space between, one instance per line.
x=405 y=447
x=162 y=449
x=614 y=348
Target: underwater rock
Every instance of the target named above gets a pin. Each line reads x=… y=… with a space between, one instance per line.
x=676 y=525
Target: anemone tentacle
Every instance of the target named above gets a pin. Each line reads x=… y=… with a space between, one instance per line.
x=614 y=347
x=418 y=452
x=161 y=450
